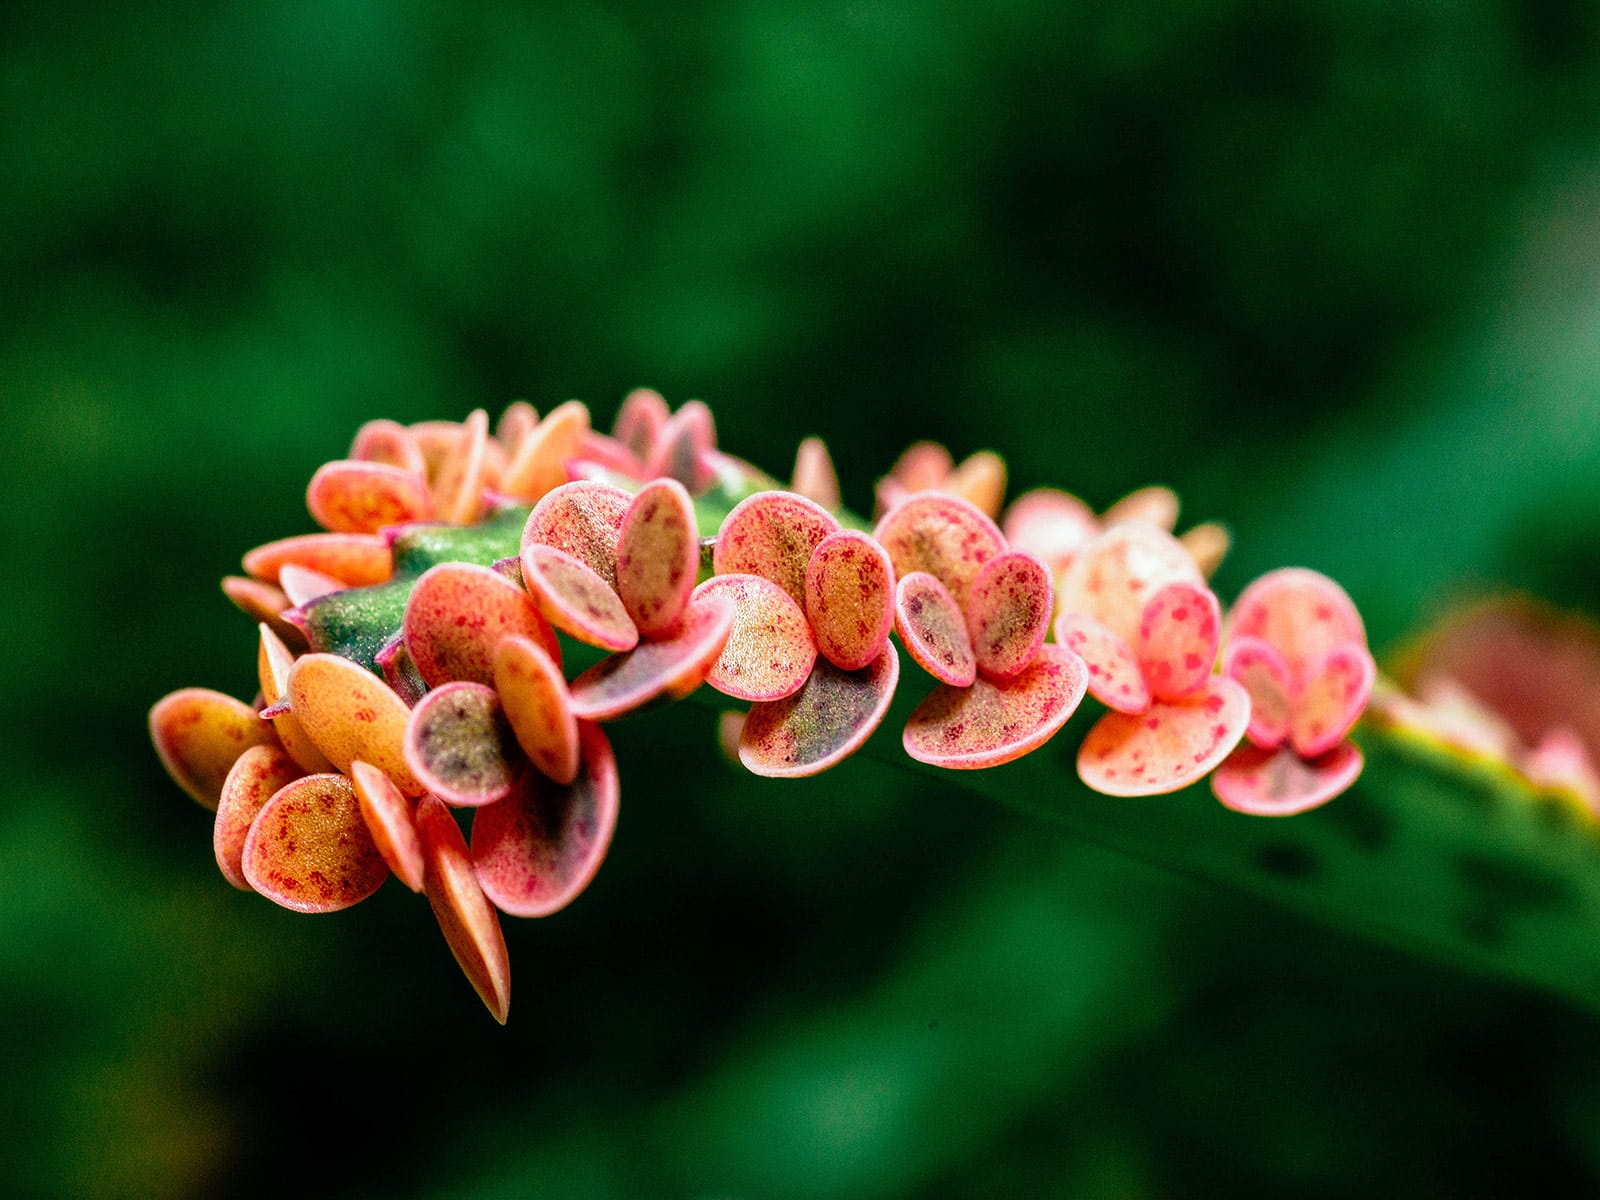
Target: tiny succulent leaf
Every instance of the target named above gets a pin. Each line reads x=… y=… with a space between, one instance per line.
x=1280 y=783
x=934 y=631
x=770 y=650
x=942 y=535
x=1264 y=674
x=455 y=617
x=309 y=849
x=534 y=697
x=354 y=559
x=773 y=535
x=576 y=600
x=199 y=734
x=350 y=496
x=350 y=713
x=850 y=599
x=390 y=821
x=1115 y=677
x=658 y=555
x=459 y=745
x=391 y=444
x=1169 y=746
x=583 y=519
x=1331 y=700
x=255 y=778
x=826 y=721
x=468 y=921
x=997 y=720
x=1303 y=614
x=540 y=464
x=671 y=666
x=1113 y=577
x=1178 y=638
x=640 y=420
x=1008 y=612
x=273 y=664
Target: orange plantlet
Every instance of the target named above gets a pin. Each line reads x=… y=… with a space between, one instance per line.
x=458 y=489
x=826 y=721
x=459 y=744
x=850 y=599
x=273 y=664
x=391 y=822
x=536 y=702
x=455 y=617
x=996 y=720
x=391 y=444
x=934 y=630
x=814 y=476
x=258 y=774
x=770 y=650
x=670 y=666
x=539 y=465
x=199 y=734
x=263 y=603
x=309 y=850
x=354 y=559
x=535 y=850
x=658 y=555
x=350 y=496
x=465 y=916
x=683 y=447
x=350 y=713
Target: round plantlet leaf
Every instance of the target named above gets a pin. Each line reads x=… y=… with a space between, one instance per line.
x=538 y=848
x=850 y=599
x=1114 y=675
x=309 y=849
x=354 y=559
x=1178 y=637
x=540 y=464
x=458 y=487
x=942 y=535
x=1112 y=578
x=921 y=467
x=582 y=519
x=640 y=420
x=273 y=664
x=199 y=734
x=770 y=651
x=773 y=535
x=934 y=631
x=349 y=496
x=1279 y=783
x=350 y=713
x=1265 y=675
x=455 y=617
x=658 y=556
x=1304 y=615
x=1008 y=612
x=1331 y=701
x=827 y=720
x=534 y=696
x=683 y=446
x=460 y=745
x=1167 y=747
x=391 y=444
x=576 y=600
x=468 y=921
x=995 y=721
x=389 y=820
x=255 y=778
x=1052 y=524
x=517 y=421
x=671 y=666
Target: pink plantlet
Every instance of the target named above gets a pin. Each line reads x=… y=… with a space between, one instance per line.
x=1299 y=646
x=1561 y=763
x=1280 y=783
x=1115 y=677
x=455 y=617
x=540 y=464
x=671 y=666
x=273 y=664
x=1052 y=524
x=770 y=650
x=1154 y=505
x=1008 y=613
x=199 y=734
x=773 y=534
x=934 y=630
x=682 y=447
x=350 y=713
x=458 y=488
x=980 y=480
x=1113 y=577
x=302 y=585
x=354 y=559
x=576 y=600
x=391 y=822
x=352 y=496
x=1179 y=634
x=391 y=444
x=534 y=851
x=584 y=520
x=640 y=421
x=309 y=850
x=459 y=745
x=814 y=476
x=465 y=916
x=517 y=421
x=849 y=597
x=599 y=450
x=257 y=775
x=996 y=720
x=263 y=603
x=658 y=555
x=399 y=671
x=1168 y=746
x=536 y=702
x=827 y=720
x=942 y=535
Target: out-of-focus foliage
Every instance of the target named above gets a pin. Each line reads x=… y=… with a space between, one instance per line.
x=1328 y=269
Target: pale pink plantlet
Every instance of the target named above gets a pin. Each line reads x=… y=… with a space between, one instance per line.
x=390 y=821
x=934 y=630
x=1050 y=523
x=770 y=650
x=827 y=720
x=1168 y=746
x=682 y=446
x=1115 y=677
x=814 y=476
x=582 y=519
x=942 y=535
x=670 y=667
x=1008 y=612
x=537 y=849
x=640 y=421
x=997 y=720
x=309 y=850
x=1179 y=634
x=455 y=617
x=1303 y=614
x=459 y=744
x=1111 y=579
x=517 y=421
x=1280 y=783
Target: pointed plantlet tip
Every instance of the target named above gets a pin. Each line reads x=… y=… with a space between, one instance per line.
x=466 y=918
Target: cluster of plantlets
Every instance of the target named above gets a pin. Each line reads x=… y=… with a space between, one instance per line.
x=414 y=656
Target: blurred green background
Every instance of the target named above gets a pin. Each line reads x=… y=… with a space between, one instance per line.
x=1328 y=269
